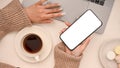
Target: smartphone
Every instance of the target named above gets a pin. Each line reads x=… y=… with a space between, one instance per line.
x=81 y=29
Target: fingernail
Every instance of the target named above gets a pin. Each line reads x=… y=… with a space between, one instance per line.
x=61 y=9
x=59 y=4
x=63 y=13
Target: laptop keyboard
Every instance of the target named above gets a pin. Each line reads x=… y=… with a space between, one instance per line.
x=99 y=2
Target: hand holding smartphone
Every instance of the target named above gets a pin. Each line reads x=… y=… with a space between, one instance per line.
x=81 y=29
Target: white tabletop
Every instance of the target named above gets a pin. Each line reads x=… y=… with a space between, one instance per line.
x=90 y=58
x=112 y=31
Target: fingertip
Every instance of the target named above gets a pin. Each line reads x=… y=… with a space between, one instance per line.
x=63 y=13
x=89 y=38
x=40 y=2
x=63 y=30
x=67 y=23
x=86 y=42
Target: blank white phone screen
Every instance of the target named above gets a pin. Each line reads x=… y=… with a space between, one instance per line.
x=80 y=30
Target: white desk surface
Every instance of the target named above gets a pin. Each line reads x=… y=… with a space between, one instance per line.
x=90 y=58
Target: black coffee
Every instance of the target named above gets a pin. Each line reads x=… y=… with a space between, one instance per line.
x=32 y=43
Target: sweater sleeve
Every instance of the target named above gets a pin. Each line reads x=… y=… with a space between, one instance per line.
x=4 y=65
x=64 y=60
x=13 y=18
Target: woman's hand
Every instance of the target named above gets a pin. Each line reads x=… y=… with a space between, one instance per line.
x=79 y=50
x=43 y=13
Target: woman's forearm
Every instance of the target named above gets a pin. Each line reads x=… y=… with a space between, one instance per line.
x=64 y=60
x=12 y=18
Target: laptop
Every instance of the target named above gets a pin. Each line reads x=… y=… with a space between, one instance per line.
x=75 y=8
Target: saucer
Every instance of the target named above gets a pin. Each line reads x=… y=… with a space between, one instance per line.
x=104 y=49
x=45 y=36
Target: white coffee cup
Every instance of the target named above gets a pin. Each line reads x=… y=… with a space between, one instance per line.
x=29 y=49
x=40 y=55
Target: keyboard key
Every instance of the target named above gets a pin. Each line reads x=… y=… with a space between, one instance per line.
x=97 y=1
x=92 y=0
x=102 y=3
